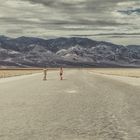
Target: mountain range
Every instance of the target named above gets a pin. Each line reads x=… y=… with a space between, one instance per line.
x=66 y=52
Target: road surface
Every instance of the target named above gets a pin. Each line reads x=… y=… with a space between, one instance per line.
x=84 y=106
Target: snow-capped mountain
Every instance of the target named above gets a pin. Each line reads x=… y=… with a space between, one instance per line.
x=68 y=52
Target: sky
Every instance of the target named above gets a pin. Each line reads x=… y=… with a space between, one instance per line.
x=116 y=21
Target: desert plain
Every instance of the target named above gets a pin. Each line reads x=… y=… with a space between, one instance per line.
x=88 y=104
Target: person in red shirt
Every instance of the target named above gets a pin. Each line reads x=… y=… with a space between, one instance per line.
x=61 y=73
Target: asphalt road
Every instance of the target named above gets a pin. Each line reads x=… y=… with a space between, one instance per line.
x=84 y=106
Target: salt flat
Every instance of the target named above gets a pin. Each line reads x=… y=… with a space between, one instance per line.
x=84 y=106
x=125 y=79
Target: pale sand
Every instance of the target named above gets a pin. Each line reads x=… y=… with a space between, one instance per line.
x=129 y=80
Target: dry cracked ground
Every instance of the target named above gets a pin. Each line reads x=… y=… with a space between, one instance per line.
x=83 y=106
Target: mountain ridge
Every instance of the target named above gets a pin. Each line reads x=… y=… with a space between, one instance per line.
x=68 y=52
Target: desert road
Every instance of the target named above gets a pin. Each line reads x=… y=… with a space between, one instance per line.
x=83 y=106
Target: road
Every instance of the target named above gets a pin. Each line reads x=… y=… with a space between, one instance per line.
x=84 y=106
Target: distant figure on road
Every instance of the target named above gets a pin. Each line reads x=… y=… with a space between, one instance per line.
x=45 y=74
x=61 y=73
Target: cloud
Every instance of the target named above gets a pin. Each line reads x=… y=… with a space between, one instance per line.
x=13 y=31
x=66 y=17
x=130 y=11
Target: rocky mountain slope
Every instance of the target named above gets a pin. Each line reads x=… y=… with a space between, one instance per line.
x=68 y=52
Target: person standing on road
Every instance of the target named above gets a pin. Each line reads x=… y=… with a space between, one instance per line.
x=61 y=73
x=45 y=74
